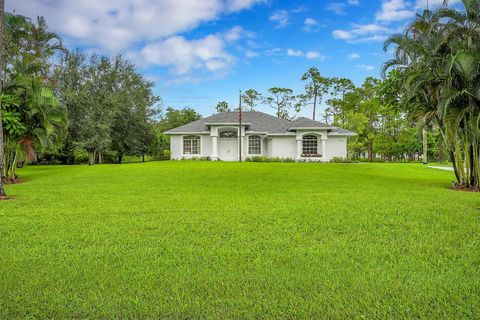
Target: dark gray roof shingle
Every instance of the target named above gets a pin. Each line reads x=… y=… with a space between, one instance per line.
x=303 y=122
x=258 y=122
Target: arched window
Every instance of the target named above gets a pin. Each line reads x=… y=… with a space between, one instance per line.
x=310 y=145
x=254 y=145
x=228 y=134
x=191 y=145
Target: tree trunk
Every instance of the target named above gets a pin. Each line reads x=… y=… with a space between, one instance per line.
x=314 y=105
x=91 y=158
x=2 y=155
x=441 y=152
x=425 y=145
x=100 y=158
x=370 y=150
x=14 y=166
x=120 y=158
x=143 y=157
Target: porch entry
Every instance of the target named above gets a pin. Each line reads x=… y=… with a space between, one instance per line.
x=228 y=149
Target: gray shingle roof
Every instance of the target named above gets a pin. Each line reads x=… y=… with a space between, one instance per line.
x=257 y=122
x=303 y=122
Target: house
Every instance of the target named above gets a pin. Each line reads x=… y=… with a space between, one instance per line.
x=261 y=134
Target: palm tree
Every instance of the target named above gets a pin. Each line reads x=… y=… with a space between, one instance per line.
x=446 y=43
x=2 y=161
x=42 y=120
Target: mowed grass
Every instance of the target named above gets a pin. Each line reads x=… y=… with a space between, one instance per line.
x=185 y=240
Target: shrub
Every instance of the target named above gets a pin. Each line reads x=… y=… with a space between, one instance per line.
x=196 y=159
x=109 y=157
x=268 y=159
x=166 y=155
x=80 y=155
x=341 y=160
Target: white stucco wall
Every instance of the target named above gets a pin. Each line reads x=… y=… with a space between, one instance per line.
x=268 y=151
x=275 y=146
x=283 y=147
x=176 y=147
x=336 y=147
x=206 y=146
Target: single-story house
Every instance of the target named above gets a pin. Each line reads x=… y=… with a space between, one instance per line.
x=218 y=137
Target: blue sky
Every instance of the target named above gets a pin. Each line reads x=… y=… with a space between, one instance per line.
x=199 y=52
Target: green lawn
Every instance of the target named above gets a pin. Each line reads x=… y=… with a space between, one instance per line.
x=229 y=240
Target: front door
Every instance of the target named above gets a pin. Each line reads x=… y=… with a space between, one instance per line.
x=228 y=149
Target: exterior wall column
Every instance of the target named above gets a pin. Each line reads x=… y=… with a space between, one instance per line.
x=214 y=155
x=299 y=148
x=214 y=135
x=242 y=141
x=324 y=147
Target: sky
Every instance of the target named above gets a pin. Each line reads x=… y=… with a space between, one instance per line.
x=200 y=52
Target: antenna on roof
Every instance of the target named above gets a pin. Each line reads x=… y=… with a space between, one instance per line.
x=240 y=126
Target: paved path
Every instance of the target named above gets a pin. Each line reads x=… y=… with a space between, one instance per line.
x=441 y=168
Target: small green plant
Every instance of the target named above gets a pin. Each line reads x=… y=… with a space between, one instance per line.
x=268 y=159
x=80 y=155
x=196 y=159
x=166 y=155
x=342 y=160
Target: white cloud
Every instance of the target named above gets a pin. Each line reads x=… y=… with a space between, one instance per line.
x=183 y=56
x=432 y=4
x=314 y=55
x=340 y=7
x=251 y=54
x=115 y=26
x=366 y=67
x=237 y=5
x=337 y=7
x=353 y=56
x=362 y=33
x=311 y=25
x=146 y=31
x=343 y=34
x=308 y=54
x=394 y=10
x=281 y=17
x=236 y=33
x=294 y=53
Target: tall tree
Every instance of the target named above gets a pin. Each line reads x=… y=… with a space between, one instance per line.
x=174 y=118
x=222 y=106
x=282 y=100
x=340 y=87
x=2 y=158
x=317 y=86
x=446 y=43
x=250 y=99
x=111 y=106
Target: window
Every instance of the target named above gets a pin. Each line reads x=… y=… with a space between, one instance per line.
x=228 y=134
x=310 y=145
x=254 y=145
x=191 y=145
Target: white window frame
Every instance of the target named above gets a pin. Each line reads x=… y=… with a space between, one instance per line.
x=192 y=138
x=306 y=139
x=261 y=145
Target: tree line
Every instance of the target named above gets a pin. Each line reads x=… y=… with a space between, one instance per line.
x=374 y=110
x=68 y=107
x=437 y=64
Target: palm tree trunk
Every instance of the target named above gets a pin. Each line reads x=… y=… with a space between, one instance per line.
x=14 y=166
x=2 y=155
x=425 y=145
